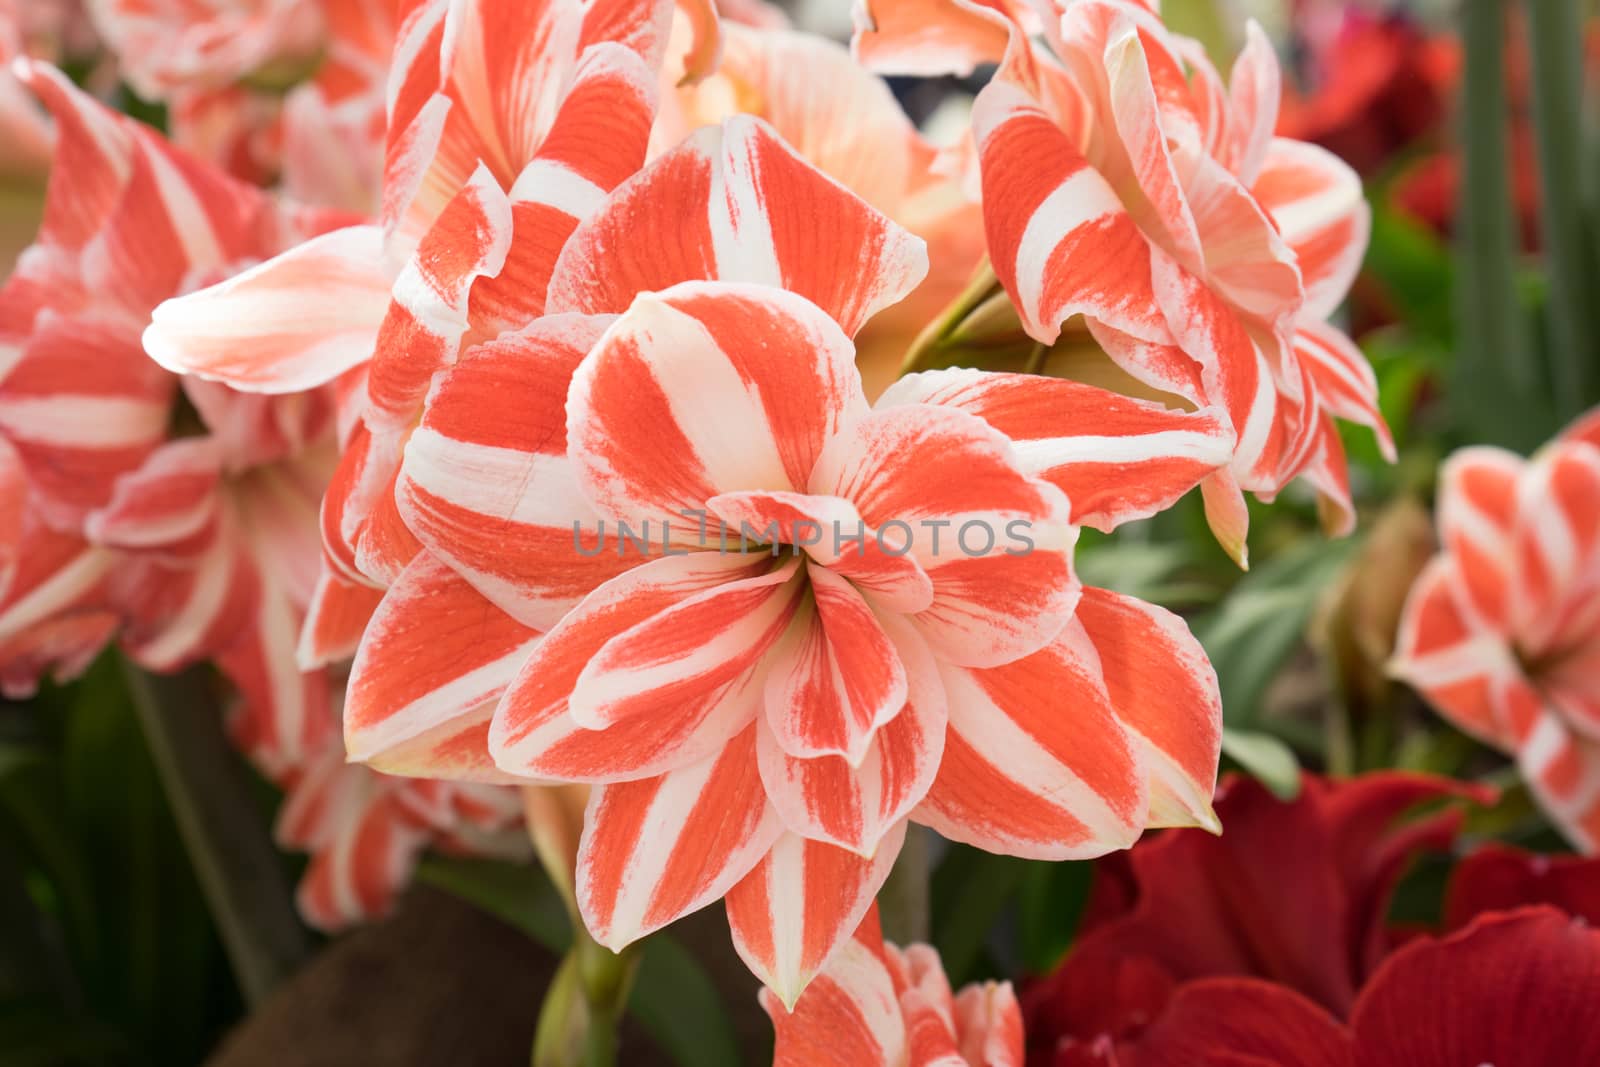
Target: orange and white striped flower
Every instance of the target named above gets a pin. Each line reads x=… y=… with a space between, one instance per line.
x=878 y=1005
x=194 y=546
x=506 y=127
x=759 y=720
x=1125 y=182
x=1501 y=633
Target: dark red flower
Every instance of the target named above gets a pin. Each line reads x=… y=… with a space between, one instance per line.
x=1295 y=893
x=1270 y=946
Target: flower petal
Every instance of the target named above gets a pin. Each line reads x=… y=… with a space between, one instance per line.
x=703 y=389
x=702 y=645
x=1477 y=510
x=1510 y=990
x=486 y=483
x=434 y=651
x=800 y=904
x=853 y=804
x=1164 y=690
x=737 y=204
x=1036 y=762
x=290 y=324
x=850 y=1013
x=659 y=848
x=1061 y=242
x=1118 y=459
x=1346 y=385
x=1316 y=202
x=835 y=677
x=534 y=733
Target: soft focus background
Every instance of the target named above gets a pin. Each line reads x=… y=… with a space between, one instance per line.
x=1477 y=308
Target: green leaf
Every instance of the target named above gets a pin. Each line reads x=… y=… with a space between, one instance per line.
x=1266 y=758
x=1555 y=43
x=1414 y=269
x=680 y=1006
x=1494 y=393
x=970 y=890
x=1263 y=620
x=1050 y=906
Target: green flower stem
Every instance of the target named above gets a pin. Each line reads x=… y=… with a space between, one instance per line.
x=903 y=904
x=583 y=1007
x=211 y=794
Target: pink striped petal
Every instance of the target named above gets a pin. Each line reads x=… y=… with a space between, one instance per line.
x=1477 y=515
x=55 y=609
x=995 y=541
x=534 y=734
x=597 y=140
x=659 y=848
x=427 y=317
x=702 y=645
x=801 y=903
x=1464 y=671
x=434 y=652
x=1149 y=96
x=835 y=679
x=179 y=614
x=287 y=325
x=1255 y=88
x=850 y=1013
x=1556 y=563
x=335 y=619
x=82 y=406
x=706 y=388
x=1346 y=385
x=1316 y=202
x=1118 y=459
x=1060 y=241
x=487 y=485
x=364 y=847
x=989 y=1022
x=1228 y=515
x=736 y=204
x=1164 y=690
x=285 y=715
x=1235 y=372
x=853 y=805
x=1328 y=472
x=92 y=158
x=1247 y=260
x=171 y=503
x=1036 y=762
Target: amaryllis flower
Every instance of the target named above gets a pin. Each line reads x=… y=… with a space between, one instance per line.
x=502 y=135
x=183 y=511
x=760 y=717
x=1125 y=182
x=1512 y=990
x=878 y=1005
x=1295 y=893
x=1501 y=633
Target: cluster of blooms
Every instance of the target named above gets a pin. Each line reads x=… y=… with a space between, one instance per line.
x=178 y=514
x=631 y=261
x=1271 y=945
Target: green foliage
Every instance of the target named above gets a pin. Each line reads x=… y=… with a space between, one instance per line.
x=123 y=966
